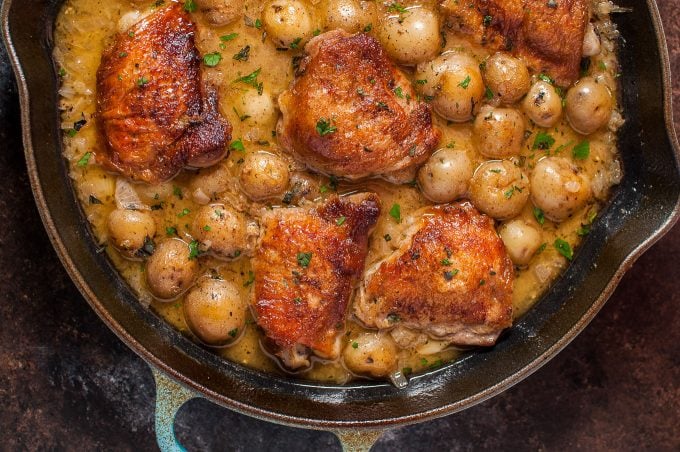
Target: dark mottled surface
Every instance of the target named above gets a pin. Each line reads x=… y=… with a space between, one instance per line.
x=66 y=382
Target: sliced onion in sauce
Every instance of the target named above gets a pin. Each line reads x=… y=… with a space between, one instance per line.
x=398 y=379
x=127 y=197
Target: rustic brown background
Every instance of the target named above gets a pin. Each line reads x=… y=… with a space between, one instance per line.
x=66 y=382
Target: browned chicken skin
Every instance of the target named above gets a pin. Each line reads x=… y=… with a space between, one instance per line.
x=306 y=266
x=350 y=112
x=153 y=109
x=547 y=34
x=451 y=279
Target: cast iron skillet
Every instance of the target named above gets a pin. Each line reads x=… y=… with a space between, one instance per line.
x=643 y=208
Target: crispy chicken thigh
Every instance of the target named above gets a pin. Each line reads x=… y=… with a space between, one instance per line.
x=451 y=279
x=350 y=112
x=153 y=109
x=306 y=266
x=547 y=34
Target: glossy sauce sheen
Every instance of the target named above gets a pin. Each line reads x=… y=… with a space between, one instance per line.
x=85 y=29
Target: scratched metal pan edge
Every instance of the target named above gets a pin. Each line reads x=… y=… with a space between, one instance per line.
x=642 y=209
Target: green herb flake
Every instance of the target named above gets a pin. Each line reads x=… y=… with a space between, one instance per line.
x=237 y=145
x=170 y=231
x=488 y=93
x=355 y=345
x=399 y=92
x=487 y=20
x=316 y=32
x=229 y=37
x=190 y=6
x=212 y=59
x=368 y=28
x=395 y=212
x=393 y=318
x=324 y=127
x=177 y=191
x=541 y=248
x=296 y=43
x=421 y=81
x=258 y=23
x=602 y=65
x=183 y=213
x=207 y=228
x=397 y=8
x=242 y=54
x=563 y=247
x=250 y=280
x=539 y=215
x=581 y=151
x=406 y=371
x=193 y=250
x=448 y=275
x=465 y=83
x=340 y=221
x=543 y=141
x=546 y=78
x=233 y=332
x=62 y=72
x=303 y=259
x=583 y=230
x=250 y=79
x=446 y=261
x=387 y=237
x=142 y=81
x=84 y=160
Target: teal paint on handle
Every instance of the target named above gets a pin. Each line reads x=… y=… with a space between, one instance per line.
x=170 y=397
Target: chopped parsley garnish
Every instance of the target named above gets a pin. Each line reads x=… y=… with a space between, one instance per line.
x=398 y=92
x=240 y=116
x=250 y=280
x=193 y=250
x=62 y=72
x=581 y=151
x=303 y=259
x=177 y=191
x=170 y=231
x=602 y=65
x=487 y=20
x=237 y=145
x=541 y=248
x=324 y=127
x=446 y=261
x=242 y=54
x=563 y=247
x=183 y=213
x=233 y=332
x=368 y=28
x=84 y=160
x=421 y=81
x=212 y=59
x=316 y=32
x=508 y=194
x=543 y=141
x=465 y=83
x=190 y=6
x=207 y=228
x=396 y=8
x=448 y=275
x=251 y=79
x=340 y=221
x=296 y=43
x=355 y=344
x=406 y=371
x=546 y=78
x=142 y=81
x=539 y=215
x=393 y=318
x=258 y=23
x=488 y=93
x=387 y=237
x=297 y=300
x=229 y=37
x=395 y=212
x=583 y=230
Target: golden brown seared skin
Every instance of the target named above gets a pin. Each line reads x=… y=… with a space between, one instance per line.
x=451 y=279
x=153 y=109
x=548 y=35
x=379 y=125
x=306 y=266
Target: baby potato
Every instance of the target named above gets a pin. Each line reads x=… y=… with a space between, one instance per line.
x=498 y=132
x=215 y=311
x=221 y=230
x=446 y=175
x=260 y=108
x=287 y=22
x=373 y=354
x=507 y=77
x=558 y=188
x=263 y=175
x=499 y=189
x=588 y=105
x=171 y=269
x=348 y=15
x=209 y=182
x=454 y=83
x=521 y=240
x=129 y=230
x=410 y=36
x=221 y=12
x=543 y=105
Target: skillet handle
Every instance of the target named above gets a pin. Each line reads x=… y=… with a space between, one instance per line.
x=358 y=440
x=170 y=396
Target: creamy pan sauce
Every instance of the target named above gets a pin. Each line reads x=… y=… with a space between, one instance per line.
x=86 y=27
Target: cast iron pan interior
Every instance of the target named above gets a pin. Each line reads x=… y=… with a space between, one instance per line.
x=643 y=207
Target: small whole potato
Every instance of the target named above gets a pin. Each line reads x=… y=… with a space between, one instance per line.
x=373 y=354
x=446 y=175
x=521 y=240
x=498 y=132
x=257 y=109
x=454 y=84
x=215 y=312
x=220 y=230
x=129 y=230
x=263 y=175
x=221 y=12
x=559 y=188
x=171 y=269
x=499 y=189
x=411 y=35
x=507 y=77
x=288 y=22
x=348 y=15
x=210 y=182
x=543 y=104
x=589 y=105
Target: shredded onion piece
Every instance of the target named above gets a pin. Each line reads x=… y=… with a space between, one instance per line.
x=398 y=379
x=127 y=197
x=200 y=197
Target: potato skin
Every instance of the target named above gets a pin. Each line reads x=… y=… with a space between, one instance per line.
x=589 y=105
x=215 y=311
x=499 y=189
x=445 y=176
x=521 y=240
x=412 y=37
x=507 y=77
x=130 y=229
x=220 y=230
x=498 y=132
x=263 y=175
x=559 y=188
x=542 y=104
x=373 y=354
x=287 y=21
x=170 y=270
